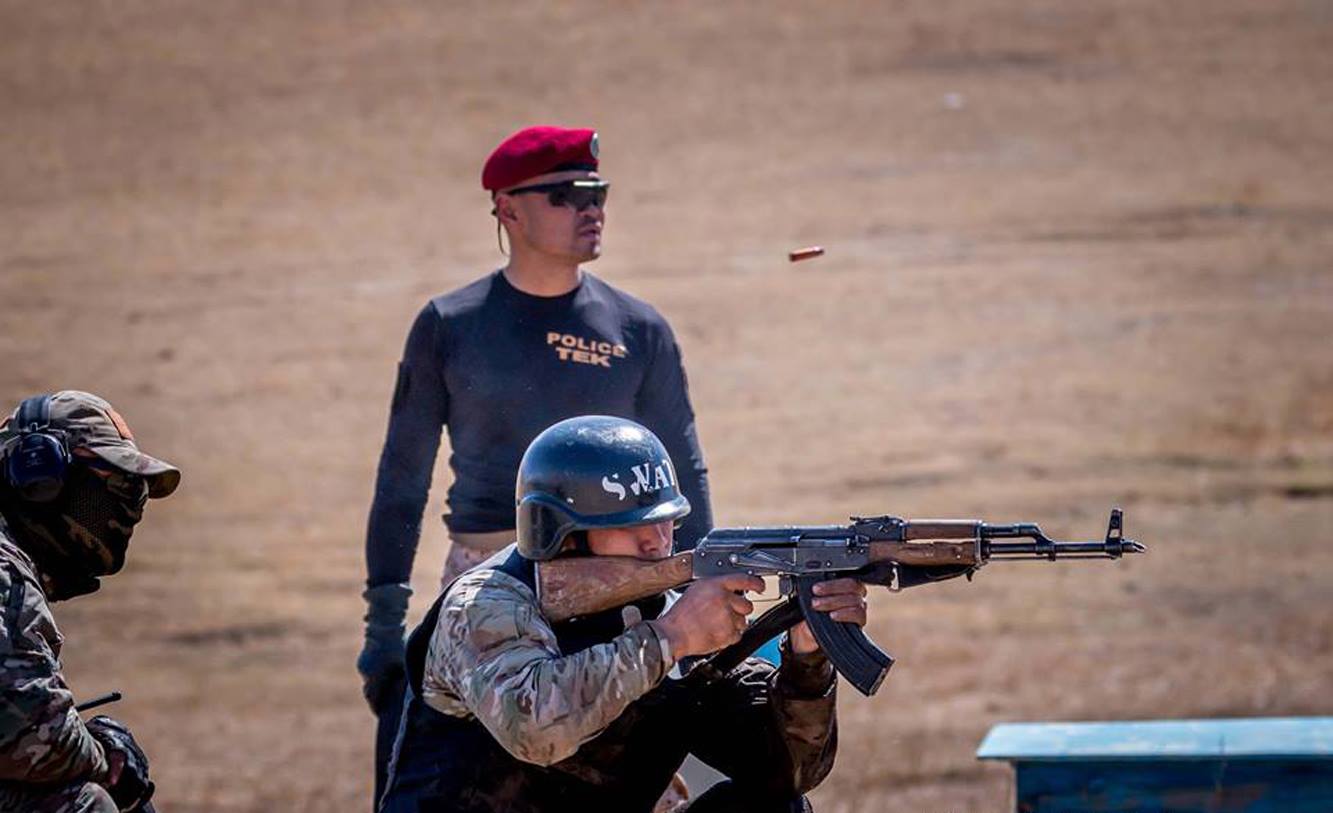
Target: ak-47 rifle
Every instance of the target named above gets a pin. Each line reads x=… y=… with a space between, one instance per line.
x=889 y=551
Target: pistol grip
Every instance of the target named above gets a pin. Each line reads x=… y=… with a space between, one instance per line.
x=855 y=656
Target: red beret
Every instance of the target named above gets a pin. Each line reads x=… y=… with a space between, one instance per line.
x=536 y=151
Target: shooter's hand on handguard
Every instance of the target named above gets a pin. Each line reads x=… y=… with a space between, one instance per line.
x=843 y=599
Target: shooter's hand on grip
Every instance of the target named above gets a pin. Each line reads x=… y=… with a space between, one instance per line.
x=843 y=599
x=844 y=643
x=710 y=615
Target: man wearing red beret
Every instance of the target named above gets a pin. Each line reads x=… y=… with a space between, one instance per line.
x=497 y=361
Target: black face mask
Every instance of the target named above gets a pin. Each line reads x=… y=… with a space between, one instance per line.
x=82 y=534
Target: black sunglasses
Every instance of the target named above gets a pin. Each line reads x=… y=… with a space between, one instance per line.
x=578 y=194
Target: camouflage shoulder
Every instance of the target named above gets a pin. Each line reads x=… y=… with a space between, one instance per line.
x=483 y=612
x=22 y=599
x=486 y=584
x=486 y=609
x=13 y=557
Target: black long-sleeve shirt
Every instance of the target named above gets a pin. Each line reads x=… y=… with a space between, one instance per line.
x=497 y=366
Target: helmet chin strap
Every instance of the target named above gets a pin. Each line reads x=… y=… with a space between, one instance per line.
x=575 y=544
x=579 y=540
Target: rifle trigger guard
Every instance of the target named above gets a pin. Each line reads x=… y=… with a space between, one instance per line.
x=895 y=584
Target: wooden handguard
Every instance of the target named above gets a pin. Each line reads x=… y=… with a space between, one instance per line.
x=587 y=584
x=925 y=553
x=942 y=528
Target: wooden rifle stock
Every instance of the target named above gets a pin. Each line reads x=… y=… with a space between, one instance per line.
x=925 y=553
x=942 y=528
x=587 y=584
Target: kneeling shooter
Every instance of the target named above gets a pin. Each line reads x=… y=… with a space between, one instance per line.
x=512 y=711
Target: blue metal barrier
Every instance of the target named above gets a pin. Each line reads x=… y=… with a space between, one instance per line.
x=1221 y=766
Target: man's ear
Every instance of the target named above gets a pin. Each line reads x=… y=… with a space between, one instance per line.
x=504 y=210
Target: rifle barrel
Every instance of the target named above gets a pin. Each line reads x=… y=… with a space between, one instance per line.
x=1048 y=549
x=100 y=700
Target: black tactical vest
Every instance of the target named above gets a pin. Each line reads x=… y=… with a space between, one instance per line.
x=444 y=763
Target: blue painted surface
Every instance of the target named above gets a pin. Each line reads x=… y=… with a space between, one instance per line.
x=1253 y=738
x=1190 y=786
x=1224 y=766
x=770 y=651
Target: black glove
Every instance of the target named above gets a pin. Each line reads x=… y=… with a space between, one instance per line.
x=381 y=660
x=133 y=789
x=383 y=688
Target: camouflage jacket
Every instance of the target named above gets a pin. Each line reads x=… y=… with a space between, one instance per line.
x=42 y=739
x=494 y=656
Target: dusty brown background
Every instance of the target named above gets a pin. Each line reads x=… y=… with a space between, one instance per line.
x=1078 y=255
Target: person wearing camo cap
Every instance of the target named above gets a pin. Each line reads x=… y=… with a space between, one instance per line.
x=73 y=484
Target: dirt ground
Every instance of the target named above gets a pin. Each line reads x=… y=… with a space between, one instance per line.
x=1078 y=256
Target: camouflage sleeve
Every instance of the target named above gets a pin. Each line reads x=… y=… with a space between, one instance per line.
x=805 y=706
x=788 y=717
x=494 y=650
x=42 y=738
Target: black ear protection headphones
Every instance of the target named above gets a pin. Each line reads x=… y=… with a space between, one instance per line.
x=36 y=462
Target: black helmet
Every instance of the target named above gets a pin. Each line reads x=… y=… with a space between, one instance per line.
x=589 y=472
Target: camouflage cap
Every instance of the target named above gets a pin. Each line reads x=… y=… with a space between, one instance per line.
x=92 y=425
